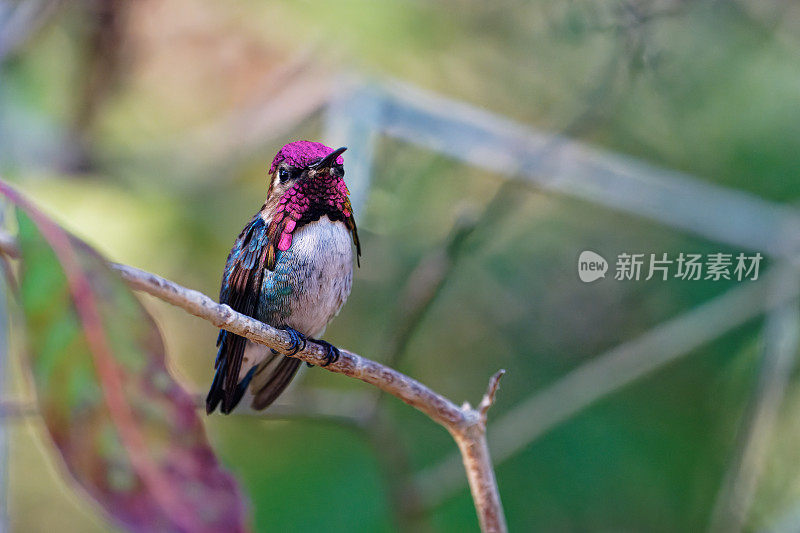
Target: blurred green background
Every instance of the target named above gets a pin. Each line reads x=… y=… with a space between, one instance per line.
x=117 y=119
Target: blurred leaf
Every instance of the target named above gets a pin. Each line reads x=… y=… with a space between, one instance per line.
x=128 y=433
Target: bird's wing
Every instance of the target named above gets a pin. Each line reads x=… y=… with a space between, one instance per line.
x=350 y=223
x=241 y=287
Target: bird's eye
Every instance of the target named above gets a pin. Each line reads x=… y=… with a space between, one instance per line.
x=283 y=175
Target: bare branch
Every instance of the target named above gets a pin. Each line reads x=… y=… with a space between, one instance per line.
x=222 y=316
x=474 y=450
x=466 y=425
x=488 y=398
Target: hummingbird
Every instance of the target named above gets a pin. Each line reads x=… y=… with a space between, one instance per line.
x=292 y=268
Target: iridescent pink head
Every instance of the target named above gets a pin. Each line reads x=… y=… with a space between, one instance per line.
x=307 y=183
x=301 y=154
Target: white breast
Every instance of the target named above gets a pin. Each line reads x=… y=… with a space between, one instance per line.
x=321 y=275
x=324 y=274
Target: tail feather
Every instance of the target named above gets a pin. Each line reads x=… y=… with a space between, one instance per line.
x=226 y=388
x=271 y=382
x=215 y=392
x=269 y=379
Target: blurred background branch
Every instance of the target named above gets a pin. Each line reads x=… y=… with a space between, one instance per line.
x=20 y=20
x=780 y=344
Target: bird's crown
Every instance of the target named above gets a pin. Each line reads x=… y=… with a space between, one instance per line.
x=300 y=154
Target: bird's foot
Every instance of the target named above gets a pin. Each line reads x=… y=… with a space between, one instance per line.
x=298 y=340
x=332 y=352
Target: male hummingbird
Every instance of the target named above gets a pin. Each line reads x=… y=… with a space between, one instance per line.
x=291 y=267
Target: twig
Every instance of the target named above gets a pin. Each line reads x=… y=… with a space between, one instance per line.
x=475 y=454
x=465 y=424
x=488 y=399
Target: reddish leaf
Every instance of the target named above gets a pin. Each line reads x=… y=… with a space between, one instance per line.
x=128 y=433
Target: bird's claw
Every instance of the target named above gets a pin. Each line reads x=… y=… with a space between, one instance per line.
x=332 y=352
x=298 y=340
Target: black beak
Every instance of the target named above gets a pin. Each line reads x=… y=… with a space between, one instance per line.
x=329 y=160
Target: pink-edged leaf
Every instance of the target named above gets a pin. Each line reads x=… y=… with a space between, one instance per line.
x=128 y=433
